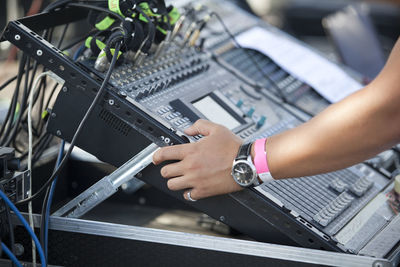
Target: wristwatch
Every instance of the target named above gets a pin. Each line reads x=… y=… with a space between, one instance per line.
x=243 y=170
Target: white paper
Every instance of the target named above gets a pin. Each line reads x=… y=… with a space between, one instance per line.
x=324 y=76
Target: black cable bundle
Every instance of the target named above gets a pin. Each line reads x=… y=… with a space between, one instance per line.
x=142 y=23
x=79 y=129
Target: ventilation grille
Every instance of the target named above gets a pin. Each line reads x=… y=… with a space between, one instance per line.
x=114 y=122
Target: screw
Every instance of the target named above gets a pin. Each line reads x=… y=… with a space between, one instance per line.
x=19 y=249
x=378 y=264
x=111 y=102
x=53 y=115
x=17 y=37
x=142 y=200
x=65 y=89
x=58 y=132
x=222 y=218
x=124 y=186
x=39 y=52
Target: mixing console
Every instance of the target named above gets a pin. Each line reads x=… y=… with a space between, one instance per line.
x=183 y=84
x=155 y=99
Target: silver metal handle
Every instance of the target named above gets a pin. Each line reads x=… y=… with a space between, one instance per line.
x=108 y=185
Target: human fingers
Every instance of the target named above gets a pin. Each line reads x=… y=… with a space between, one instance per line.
x=176 y=152
x=202 y=127
x=179 y=183
x=173 y=170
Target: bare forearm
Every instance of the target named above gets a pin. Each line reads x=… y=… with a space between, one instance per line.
x=346 y=133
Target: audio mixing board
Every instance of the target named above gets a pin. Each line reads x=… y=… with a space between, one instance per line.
x=155 y=101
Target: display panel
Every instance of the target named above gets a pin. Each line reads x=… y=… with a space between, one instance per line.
x=215 y=113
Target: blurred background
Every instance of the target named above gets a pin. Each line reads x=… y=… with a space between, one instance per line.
x=355 y=33
x=301 y=18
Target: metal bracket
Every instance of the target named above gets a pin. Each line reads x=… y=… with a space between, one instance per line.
x=107 y=186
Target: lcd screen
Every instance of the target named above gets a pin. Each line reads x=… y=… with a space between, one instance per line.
x=215 y=113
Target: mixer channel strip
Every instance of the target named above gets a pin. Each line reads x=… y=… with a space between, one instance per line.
x=326 y=197
x=293 y=89
x=333 y=209
x=155 y=76
x=361 y=186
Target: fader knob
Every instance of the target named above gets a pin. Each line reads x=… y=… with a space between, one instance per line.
x=239 y=103
x=261 y=122
x=250 y=112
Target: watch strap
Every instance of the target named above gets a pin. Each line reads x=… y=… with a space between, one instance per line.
x=244 y=151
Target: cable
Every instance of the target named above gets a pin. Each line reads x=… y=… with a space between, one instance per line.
x=233 y=38
x=78 y=52
x=7 y=124
x=9 y=81
x=30 y=151
x=25 y=224
x=97 y=8
x=38 y=143
x=81 y=124
x=10 y=227
x=77 y=41
x=14 y=131
x=6 y=83
x=55 y=5
x=10 y=255
x=150 y=33
x=42 y=149
x=49 y=201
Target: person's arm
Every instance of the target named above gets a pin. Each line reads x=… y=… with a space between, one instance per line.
x=346 y=133
x=355 y=129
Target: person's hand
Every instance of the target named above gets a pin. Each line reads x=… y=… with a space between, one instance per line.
x=204 y=168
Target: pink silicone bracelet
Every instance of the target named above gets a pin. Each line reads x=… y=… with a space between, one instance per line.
x=260 y=158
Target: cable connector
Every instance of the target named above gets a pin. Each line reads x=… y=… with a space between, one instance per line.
x=56 y=78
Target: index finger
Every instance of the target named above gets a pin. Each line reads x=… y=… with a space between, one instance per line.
x=176 y=152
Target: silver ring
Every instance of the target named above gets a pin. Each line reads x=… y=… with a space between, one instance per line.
x=190 y=197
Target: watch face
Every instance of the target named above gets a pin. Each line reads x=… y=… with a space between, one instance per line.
x=243 y=173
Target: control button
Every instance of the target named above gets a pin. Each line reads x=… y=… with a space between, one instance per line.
x=261 y=122
x=250 y=112
x=176 y=114
x=169 y=117
x=239 y=103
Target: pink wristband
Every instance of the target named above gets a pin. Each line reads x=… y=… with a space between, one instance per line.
x=260 y=161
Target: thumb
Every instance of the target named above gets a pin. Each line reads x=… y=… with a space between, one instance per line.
x=201 y=126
